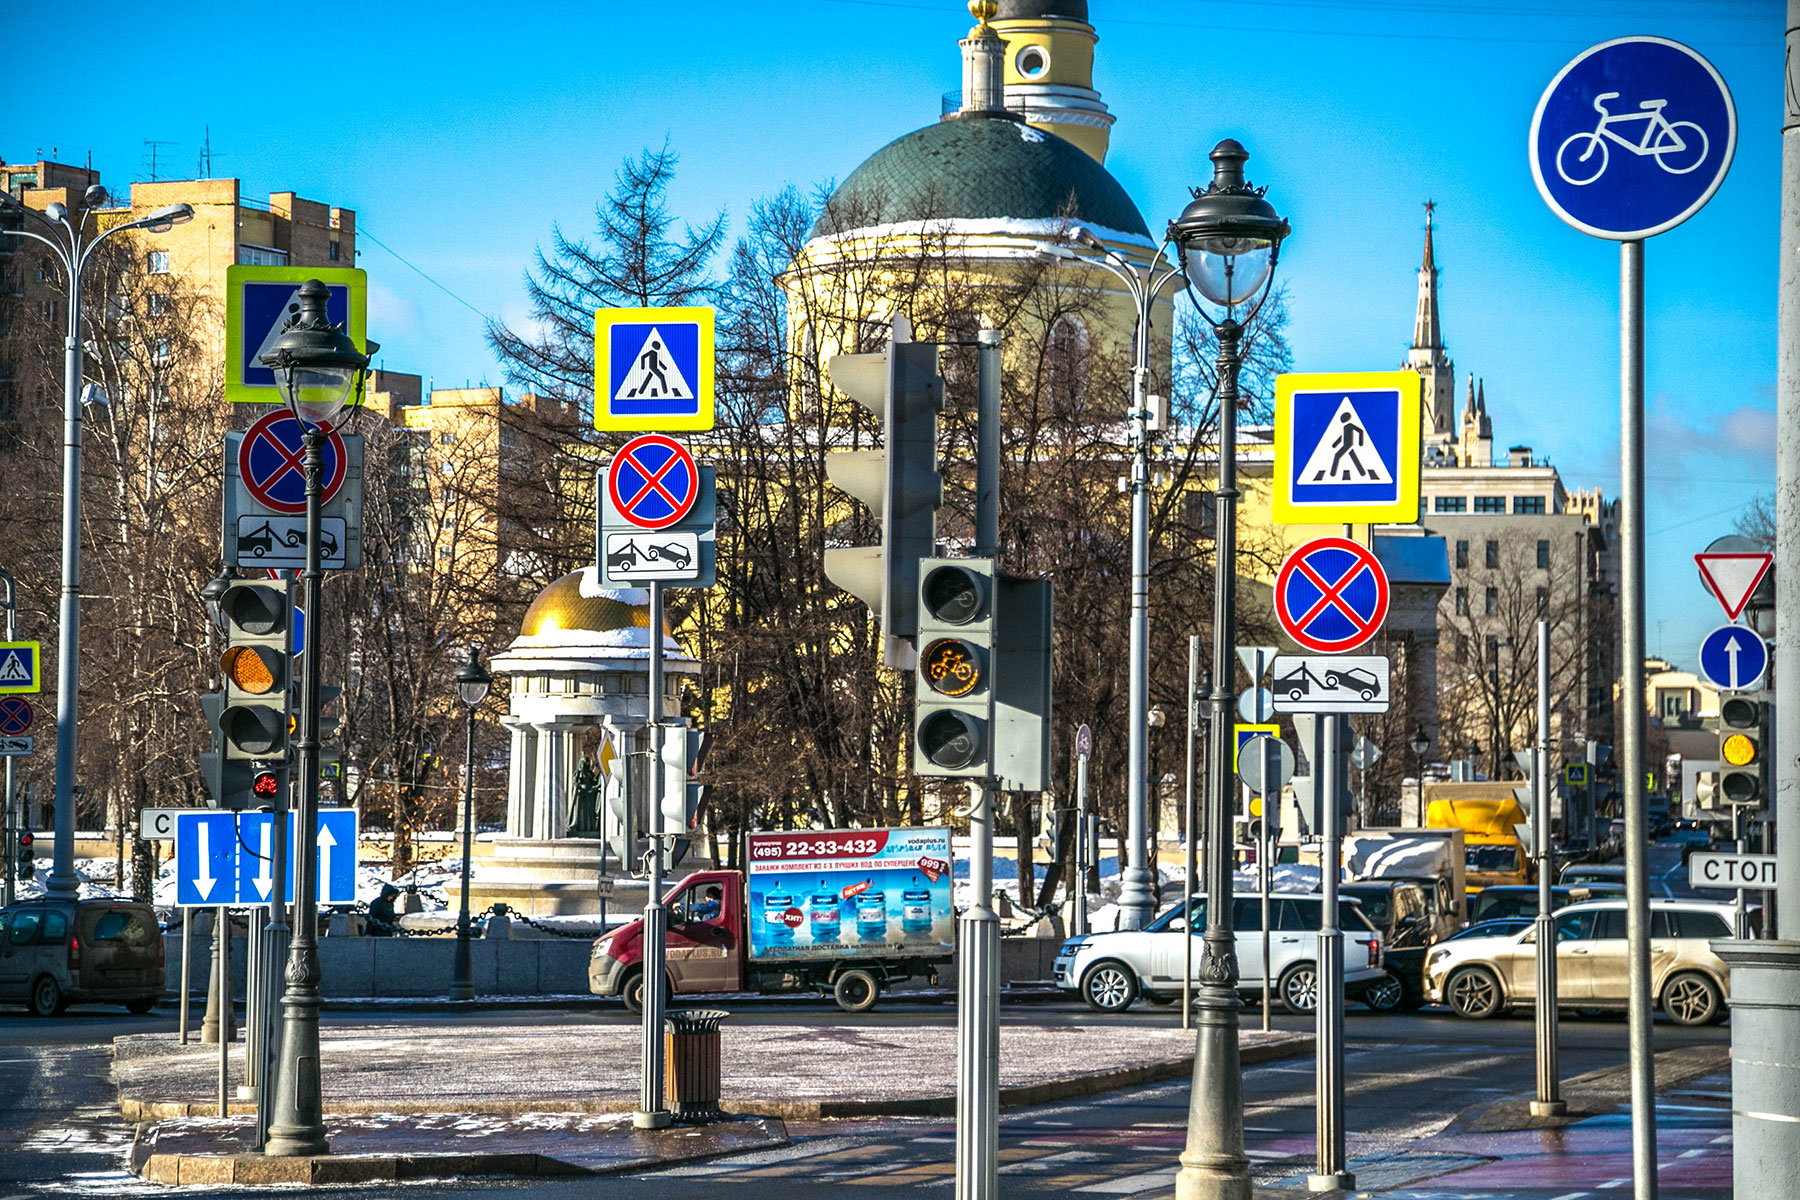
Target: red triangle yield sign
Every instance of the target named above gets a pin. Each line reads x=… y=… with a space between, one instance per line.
x=1732 y=577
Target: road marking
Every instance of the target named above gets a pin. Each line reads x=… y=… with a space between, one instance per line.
x=1569 y=1196
x=1132 y=1183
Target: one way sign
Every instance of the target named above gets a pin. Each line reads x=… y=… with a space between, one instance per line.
x=227 y=858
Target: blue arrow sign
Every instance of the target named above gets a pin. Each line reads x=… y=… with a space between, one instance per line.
x=205 y=858
x=1632 y=138
x=256 y=862
x=1733 y=658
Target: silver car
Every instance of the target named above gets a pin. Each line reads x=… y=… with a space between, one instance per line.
x=1483 y=976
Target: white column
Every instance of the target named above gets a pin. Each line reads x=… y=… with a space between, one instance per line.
x=551 y=796
x=518 y=780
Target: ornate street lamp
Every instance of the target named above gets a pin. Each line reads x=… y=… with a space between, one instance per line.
x=472 y=685
x=318 y=371
x=1229 y=238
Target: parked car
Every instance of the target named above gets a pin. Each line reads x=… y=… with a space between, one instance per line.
x=1399 y=912
x=1497 y=927
x=54 y=953
x=1482 y=976
x=1509 y=901
x=1111 y=970
x=1588 y=874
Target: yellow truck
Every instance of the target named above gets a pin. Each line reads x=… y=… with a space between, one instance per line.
x=1486 y=813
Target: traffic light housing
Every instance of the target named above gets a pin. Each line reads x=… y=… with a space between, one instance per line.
x=251 y=717
x=27 y=854
x=682 y=797
x=1743 y=751
x=899 y=482
x=982 y=695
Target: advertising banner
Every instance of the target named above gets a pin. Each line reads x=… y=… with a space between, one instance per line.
x=854 y=893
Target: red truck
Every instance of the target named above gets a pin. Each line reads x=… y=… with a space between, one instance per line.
x=849 y=912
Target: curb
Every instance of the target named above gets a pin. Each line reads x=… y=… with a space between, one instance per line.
x=1021 y=1096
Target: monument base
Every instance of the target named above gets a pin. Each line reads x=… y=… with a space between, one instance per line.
x=560 y=877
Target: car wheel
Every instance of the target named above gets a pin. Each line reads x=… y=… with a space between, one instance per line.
x=1299 y=989
x=138 y=1008
x=856 y=991
x=1473 y=992
x=633 y=994
x=46 y=997
x=1385 y=994
x=1692 y=999
x=1109 y=987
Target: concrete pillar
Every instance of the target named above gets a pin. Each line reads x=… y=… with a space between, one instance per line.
x=1765 y=1063
x=550 y=816
x=519 y=788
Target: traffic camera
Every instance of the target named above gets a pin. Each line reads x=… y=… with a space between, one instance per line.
x=899 y=482
x=1743 y=761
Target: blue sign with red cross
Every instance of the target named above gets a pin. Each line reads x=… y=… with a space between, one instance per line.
x=1331 y=595
x=653 y=481
x=270 y=461
x=15 y=715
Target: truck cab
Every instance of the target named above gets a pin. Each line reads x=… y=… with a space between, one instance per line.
x=1486 y=813
x=704 y=942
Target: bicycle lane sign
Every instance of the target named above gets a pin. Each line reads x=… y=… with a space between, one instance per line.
x=1632 y=138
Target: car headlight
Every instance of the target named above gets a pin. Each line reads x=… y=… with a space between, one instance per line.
x=602 y=946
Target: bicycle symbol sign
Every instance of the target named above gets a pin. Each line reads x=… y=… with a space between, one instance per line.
x=1632 y=138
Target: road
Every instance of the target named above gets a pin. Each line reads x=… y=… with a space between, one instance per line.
x=1409 y=1076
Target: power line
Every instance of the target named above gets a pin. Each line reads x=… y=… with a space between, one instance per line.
x=363 y=231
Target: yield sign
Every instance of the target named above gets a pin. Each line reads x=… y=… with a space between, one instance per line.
x=1331 y=595
x=1732 y=577
x=653 y=481
x=270 y=461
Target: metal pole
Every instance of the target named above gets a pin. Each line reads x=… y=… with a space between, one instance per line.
x=978 y=1013
x=1191 y=835
x=1265 y=865
x=651 y=1114
x=276 y=939
x=1329 y=1027
x=1549 y=1102
x=12 y=824
x=987 y=443
x=1213 y=1163
x=462 y=987
x=1079 y=922
x=1136 y=902
x=253 y=1007
x=187 y=929
x=297 y=1120
x=1786 y=668
x=62 y=883
x=209 y=1021
x=1631 y=717
x=227 y=1034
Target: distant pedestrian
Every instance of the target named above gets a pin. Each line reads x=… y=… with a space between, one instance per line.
x=382 y=921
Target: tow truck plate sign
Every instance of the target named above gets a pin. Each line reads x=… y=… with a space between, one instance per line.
x=1707 y=870
x=1329 y=683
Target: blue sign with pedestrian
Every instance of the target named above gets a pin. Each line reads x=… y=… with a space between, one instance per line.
x=1632 y=138
x=206 y=858
x=1733 y=658
x=653 y=369
x=266 y=307
x=1348 y=448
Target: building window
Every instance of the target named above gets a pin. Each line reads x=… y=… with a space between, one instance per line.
x=157 y=304
x=1490 y=603
x=1462 y=602
x=47 y=310
x=1490 y=504
x=1543 y=602
x=1543 y=554
x=1032 y=62
x=1492 y=557
x=1065 y=364
x=1674 y=704
x=262 y=256
x=333 y=252
x=1462 y=555
x=1528 y=505
x=1450 y=504
x=158 y=261
x=162 y=349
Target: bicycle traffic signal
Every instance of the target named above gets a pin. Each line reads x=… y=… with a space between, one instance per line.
x=1743 y=758
x=248 y=765
x=899 y=482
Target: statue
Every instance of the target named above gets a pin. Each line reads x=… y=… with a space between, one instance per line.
x=584 y=806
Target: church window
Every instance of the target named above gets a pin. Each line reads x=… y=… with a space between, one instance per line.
x=1450 y=504
x=1033 y=61
x=1490 y=504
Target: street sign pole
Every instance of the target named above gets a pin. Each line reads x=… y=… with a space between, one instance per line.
x=978 y=1012
x=1084 y=745
x=1329 y=972
x=651 y=1114
x=1265 y=854
x=1549 y=1102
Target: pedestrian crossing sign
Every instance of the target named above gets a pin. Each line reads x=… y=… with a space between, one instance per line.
x=653 y=369
x=1347 y=448
x=21 y=667
x=259 y=301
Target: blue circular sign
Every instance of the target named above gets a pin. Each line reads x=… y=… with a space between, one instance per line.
x=653 y=481
x=1734 y=658
x=270 y=462
x=1632 y=138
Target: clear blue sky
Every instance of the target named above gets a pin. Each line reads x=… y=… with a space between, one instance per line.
x=460 y=133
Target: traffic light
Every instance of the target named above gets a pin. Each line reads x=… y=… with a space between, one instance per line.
x=899 y=482
x=682 y=798
x=621 y=769
x=250 y=719
x=27 y=867
x=1743 y=760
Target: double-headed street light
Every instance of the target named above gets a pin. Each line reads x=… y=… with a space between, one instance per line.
x=472 y=684
x=1230 y=238
x=318 y=371
x=67 y=239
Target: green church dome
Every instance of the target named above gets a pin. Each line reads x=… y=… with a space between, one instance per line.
x=978 y=167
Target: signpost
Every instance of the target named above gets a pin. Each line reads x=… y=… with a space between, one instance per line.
x=1331 y=683
x=1331 y=595
x=1733 y=658
x=653 y=369
x=15 y=747
x=224 y=858
x=264 y=523
x=1708 y=869
x=1630 y=139
x=15 y=715
x=680 y=554
x=1347 y=448
x=1084 y=749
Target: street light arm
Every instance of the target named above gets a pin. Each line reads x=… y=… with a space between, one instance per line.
x=62 y=252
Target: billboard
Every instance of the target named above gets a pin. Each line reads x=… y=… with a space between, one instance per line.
x=850 y=893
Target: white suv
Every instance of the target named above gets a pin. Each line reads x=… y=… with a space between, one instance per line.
x=1110 y=970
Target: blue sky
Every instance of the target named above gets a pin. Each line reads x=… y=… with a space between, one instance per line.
x=460 y=133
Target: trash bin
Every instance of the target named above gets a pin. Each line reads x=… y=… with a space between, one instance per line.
x=691 y=1063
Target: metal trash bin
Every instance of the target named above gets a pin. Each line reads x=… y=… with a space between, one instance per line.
x=691 y=1063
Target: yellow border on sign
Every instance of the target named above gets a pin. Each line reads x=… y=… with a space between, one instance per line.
x=1237 y=742
x=236 y=390
x=705 y=415
x=1404 y=511
x=37 y=669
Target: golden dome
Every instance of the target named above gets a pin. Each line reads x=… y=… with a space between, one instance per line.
x=565 y=606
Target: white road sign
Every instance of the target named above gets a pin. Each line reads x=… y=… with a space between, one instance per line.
x=158 y=824
x=1330 y=683
x=15 y=747
x=652 y=555
x=1260 y=755
x=1709 y=870
x=281 y=542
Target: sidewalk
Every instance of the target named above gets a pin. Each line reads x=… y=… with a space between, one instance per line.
x=785 y=1070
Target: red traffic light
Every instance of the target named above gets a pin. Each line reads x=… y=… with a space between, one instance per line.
x=25 y=837
x=264 y=785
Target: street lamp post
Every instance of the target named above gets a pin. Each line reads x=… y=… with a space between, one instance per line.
x=319 y=371
x=1230 y=239
x=65 y=237
x=472 y=685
